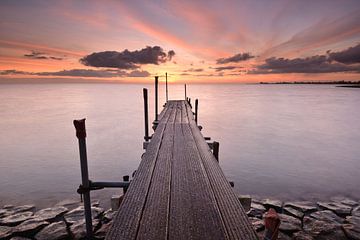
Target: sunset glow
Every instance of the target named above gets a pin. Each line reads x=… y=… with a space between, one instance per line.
x=212 y=41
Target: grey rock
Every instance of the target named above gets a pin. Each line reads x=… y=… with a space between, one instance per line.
x=338 y=208
x=15 y=218
x=345 y=201
x=271 y=203
x=8 y=210
x=20 y=238
x=54 y=231
x=5 y=232
x=78 y=229
x=304 y=206
x=50 y=214
x=293 y=212
x=29 y=227
x=109 y=215
x=69 y=203
x=101 y=233
x=289 y=224
x=302 y=236
x=77 y=214
x=258 y=224
x=283 y=236
x=322 y=230
x=356 y=211
x=351 y=231
x=256 y=210
x=24 y=208
x=327 y=216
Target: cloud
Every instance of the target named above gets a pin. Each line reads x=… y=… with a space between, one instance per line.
x=194 y=70
x=348 y=56
x=236 y=58
x=41 y=55
x=128 y=59
x=218 y=69
x=81 y=73
x=314 y=64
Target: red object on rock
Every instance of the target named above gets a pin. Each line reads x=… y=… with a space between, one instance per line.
x=272 y=224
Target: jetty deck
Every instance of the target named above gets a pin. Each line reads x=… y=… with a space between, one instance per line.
x=179 y=190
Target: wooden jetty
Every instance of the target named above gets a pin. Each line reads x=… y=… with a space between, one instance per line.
x=179 y=190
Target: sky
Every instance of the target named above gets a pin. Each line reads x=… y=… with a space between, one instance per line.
x=193 y=41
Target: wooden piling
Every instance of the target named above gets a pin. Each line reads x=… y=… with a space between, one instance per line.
x=166 y=86
x=146 y=114
x=156 y=97
x=216 y=150
x=196 y=110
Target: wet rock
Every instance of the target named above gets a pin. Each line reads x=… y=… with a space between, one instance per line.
x=69 y=204
x=327 y=216
x=303 y=206
x=302 y=236
x=5 y=232
x=77 y=214
x=50 y=214
x=322 y=230
x=20 y=238
x=256 y=210
x=16 y=218
x=345 y=201
x=54 y=231
x=8 y=210
x=78 y=229
x=271 y=203
x=338 y=208
x=283 y=236
x=293 y=212
x=356 y=212
x=24 y=208
x=101 y=233
x=95 y=203
x=258 y=224
x=289 y=224
x=29 y=227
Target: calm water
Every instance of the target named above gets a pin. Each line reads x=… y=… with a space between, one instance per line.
x=287 y=141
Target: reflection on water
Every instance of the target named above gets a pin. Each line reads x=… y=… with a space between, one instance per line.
x=275 y=140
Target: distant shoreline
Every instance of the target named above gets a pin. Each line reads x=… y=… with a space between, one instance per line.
x=354 y=84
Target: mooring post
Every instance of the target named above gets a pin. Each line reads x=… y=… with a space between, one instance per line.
x=81 y=135
x=166 y=87
x=185 y=91
x=196 y=110
x=125 y=179
x=146 y=114
x=216 y=150
x=190 y=102
x=156 y=98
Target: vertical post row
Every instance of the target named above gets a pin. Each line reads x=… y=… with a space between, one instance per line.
x=196 y=110
x=166 y=86
x=156 y=97
x=81 y=135
x=146 y=114
x=185 y=91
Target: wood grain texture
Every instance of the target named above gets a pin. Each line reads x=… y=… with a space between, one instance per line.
x=180 y=191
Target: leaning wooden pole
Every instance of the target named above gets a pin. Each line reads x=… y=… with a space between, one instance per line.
x=81 y=135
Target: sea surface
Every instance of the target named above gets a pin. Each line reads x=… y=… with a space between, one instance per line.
x=282 y=141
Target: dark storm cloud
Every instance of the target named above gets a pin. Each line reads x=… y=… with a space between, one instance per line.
x=236 y=58
x=314 y=64
x=128 y=59
x=13 y=72
x=348 y=56
x=194 y=70
x=41 y=55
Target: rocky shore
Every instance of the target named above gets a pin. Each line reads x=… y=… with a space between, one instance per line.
x=338 y=218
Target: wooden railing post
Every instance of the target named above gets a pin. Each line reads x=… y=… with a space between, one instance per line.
x=216 y=150
x=196 y=110
x=156 y=97
x=185 y=91
x=166 y=86
x=81 y=135
x=146 y=114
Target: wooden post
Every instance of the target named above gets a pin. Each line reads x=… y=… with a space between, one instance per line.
x=156 y=97
x=166 y=85
x=81 y=135
x=185 y=91
x=146 y=114
x=196 y=110
x=125 y=179
x=216 y=150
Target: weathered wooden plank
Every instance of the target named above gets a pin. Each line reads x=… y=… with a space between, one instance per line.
x=154 y=221
x=193 y=210
x=235 y=219
x=126 y=221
